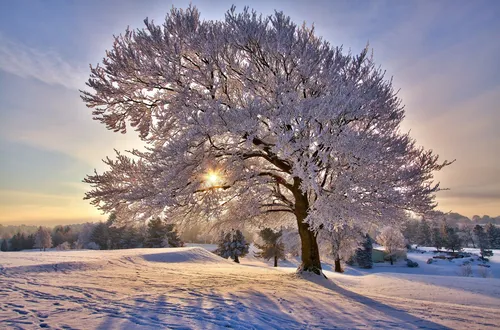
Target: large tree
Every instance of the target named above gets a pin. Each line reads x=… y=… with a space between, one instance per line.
x=253 y=115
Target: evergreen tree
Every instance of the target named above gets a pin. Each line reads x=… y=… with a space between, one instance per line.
x=411 y=231
x=5 y=246
x=493 y=234
x=363 y=255
x=273 y=247
x=483 y=242
x=437 y=238
x=28 y=242
x=452 y=241
x=232 y=245
x=173 y=238
x=114 y=232
x=424 y=233
x=100 y=236
x=16 y=242
x=162 y=234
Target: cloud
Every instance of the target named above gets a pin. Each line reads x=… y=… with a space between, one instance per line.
x=44 y=65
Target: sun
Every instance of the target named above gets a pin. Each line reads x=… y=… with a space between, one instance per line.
x=212 y=178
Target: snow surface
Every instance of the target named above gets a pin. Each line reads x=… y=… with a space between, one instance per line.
x=191 y=288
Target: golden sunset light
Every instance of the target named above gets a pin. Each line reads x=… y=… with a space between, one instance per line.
x=213 y=178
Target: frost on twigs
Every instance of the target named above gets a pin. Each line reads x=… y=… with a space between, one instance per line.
x=291 y=123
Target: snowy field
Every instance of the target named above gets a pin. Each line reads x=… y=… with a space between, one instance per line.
x=191 y=288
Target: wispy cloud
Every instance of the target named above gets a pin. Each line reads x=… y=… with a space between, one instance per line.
x=44 y=65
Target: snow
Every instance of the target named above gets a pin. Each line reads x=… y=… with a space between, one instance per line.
x=191 y=288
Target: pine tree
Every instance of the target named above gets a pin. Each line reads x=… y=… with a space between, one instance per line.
x=411 y=231
x=493 y=234
x=173 y=237
x=5 y=246
x=452 y=241
x=424 y=233
x=100 y=235
x=273 y=246
x=43 y=239
x=363 y=256
x=483 y=242
x=437 y=238
x=28 y=242
x=114 y=232
x=232 y=245
x=16 y=242
x=162 y=234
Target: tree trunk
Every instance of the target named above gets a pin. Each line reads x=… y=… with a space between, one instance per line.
x=309 y=244
x=236 y=259
x=275 y=261
x=392 y=262
x=338 y=267
x=310 y=250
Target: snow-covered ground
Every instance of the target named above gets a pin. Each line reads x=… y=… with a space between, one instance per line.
x=191 y=288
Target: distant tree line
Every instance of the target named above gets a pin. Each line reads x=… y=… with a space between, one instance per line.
x=108 y=235
x=441 y=234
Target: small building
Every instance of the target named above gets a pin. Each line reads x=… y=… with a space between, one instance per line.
x=378 y=255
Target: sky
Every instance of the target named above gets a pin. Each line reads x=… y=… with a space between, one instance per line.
x=443 y=57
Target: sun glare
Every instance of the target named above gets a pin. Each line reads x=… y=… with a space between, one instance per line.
x=212 y=178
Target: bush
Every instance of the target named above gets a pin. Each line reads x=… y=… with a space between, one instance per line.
x=466 y=270
x=483 y=272
x=63 y=246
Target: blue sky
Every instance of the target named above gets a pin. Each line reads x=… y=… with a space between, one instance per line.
x=443 y=56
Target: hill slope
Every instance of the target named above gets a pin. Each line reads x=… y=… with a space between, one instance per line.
x=188 y=288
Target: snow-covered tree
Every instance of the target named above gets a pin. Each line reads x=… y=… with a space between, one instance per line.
x=273 y=247
x=393 y=241
x=61 y=234
x=232 y=245
x=63 y=246
x=344 y=240
x=43 y=238
x=253 y=115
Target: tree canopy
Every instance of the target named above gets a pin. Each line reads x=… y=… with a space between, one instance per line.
x=254 y=115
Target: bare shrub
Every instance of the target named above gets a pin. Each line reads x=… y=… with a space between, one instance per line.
x=465 y=270
x=483 y=272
